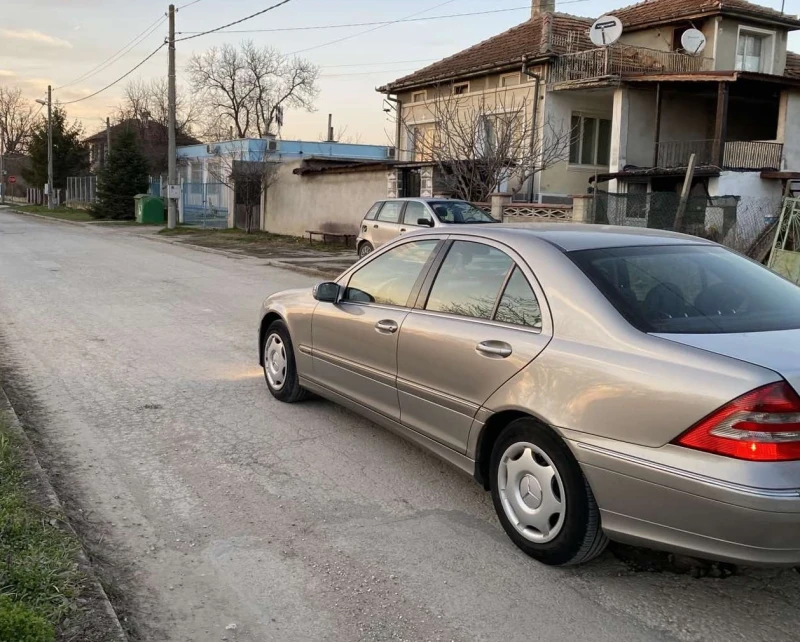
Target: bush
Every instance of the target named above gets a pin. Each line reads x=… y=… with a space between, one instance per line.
x=19 y=624
x=123 y=176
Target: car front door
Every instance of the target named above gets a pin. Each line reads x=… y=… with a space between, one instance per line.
x=386 y=226
x=414 y=212
x=478 y=322
x=354 y=341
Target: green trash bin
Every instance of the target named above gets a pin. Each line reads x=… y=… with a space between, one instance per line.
x=149 y=209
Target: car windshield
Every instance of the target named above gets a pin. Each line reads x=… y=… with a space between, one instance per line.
x=459 y=212
x=691 y=289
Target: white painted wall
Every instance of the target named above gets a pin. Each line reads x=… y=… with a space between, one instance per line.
x=330 y=202
x=789 y=129
x=746 y=184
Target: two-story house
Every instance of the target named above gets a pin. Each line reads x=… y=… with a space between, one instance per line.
x=638 y=109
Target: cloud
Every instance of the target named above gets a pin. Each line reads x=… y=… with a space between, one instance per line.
x=5 y=73
x=30 y=35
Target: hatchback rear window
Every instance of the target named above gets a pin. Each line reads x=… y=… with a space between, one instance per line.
x=691 y=289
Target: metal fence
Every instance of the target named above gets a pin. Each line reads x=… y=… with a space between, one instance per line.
x=155 y=186
x=205 y=204
x=738 y=222
x=81 y=190
x=620 y=59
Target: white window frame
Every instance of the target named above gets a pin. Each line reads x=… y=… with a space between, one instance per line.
x=461 y=84
x=767 y=47
x=423 y=93
x=597 y=118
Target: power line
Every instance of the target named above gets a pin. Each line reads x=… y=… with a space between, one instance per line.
x=188 y=4
x=385 y=22
x=121 y=78
x=136 y=40
x=376 y=64
x=366 y=73
x=236 y=22
x=361 y=33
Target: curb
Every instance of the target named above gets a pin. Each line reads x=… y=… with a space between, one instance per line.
x=233 y=255
x=46 y=218
x=7 y=410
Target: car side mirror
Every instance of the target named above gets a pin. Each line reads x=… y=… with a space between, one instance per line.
x=425 y=222
x=327 y=292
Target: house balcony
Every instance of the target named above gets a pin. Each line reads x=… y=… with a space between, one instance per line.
x=749 y=155
x=604 y=63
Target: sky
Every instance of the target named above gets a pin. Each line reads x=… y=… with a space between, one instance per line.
x=59 y=41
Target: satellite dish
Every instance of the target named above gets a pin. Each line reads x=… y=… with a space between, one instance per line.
x=605 y=31
x=693 y=41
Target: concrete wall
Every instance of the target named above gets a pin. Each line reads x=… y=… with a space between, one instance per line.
x=327 y=201
x=566 y=178
x=746 y=184
x=686 y=116
x=789 y=129
x=641 y=127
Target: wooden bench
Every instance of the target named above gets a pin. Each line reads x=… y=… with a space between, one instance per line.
x=325 y=235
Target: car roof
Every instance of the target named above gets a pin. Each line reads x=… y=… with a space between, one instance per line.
x=570 y=237
x=423 y=199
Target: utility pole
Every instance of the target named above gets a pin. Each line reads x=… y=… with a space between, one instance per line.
x=108 y=138
x=172 y=178
x=2 y=169
x=687 y=188
x=49 y=147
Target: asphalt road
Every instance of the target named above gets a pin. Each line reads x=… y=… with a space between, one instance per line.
x=220 y=507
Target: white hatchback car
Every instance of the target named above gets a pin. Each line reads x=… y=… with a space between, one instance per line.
x=386 y=220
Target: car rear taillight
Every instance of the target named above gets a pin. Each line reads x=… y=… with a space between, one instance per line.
x=763 y=425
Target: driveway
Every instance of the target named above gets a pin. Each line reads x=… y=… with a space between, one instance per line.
x=219 y=506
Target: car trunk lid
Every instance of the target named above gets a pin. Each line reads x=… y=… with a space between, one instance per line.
x=777 y=350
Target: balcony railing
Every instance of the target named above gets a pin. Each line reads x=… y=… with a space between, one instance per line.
x=751 y=155
x=620 y=59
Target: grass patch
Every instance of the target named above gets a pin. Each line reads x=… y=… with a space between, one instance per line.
x=256 y=243
x=39 y=576
x=62 y=213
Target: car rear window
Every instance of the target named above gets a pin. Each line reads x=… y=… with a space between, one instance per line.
x=691 y=289
x=373 y=211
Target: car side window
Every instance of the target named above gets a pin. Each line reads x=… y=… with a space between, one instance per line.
x=390 y=212
x=373 y=211
x=389 y=278
x=469 y=280
x=519 y=305
x=415 y=211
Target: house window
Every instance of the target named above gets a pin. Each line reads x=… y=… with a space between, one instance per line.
x=754 y=50
x=488 y=135
x=591 y=141
x=461 y=89
x=509 y=80
x=419 y=97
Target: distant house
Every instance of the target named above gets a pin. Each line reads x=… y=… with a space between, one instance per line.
x=153 y=140
x=636 y=110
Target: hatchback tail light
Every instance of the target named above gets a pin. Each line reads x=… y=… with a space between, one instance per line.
x=762 y=425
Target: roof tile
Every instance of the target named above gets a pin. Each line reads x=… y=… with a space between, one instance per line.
x=653 y=12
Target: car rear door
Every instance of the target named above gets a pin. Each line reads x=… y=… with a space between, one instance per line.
x=386 y=226
x=354 y=341
x=480 y=319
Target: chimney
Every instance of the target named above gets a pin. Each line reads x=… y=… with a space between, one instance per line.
x=542 y=6
x=330 y=129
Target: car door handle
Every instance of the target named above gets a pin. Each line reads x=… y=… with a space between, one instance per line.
x=375 y=226
x=494 y=349
x=402 y=229
x=387 y=326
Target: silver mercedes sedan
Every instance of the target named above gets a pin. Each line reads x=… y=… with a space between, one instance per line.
x=602 y=382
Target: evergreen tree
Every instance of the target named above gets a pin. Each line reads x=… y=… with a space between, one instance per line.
x=70 y=154
x=123 y=176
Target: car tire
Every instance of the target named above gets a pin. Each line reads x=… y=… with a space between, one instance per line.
x=542 y=498
x=280 y=369
x=364 y=249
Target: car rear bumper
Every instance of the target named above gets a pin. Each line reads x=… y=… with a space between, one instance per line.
x=650 y=503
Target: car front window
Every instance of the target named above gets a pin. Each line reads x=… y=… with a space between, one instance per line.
x=389 y=278
x=691 y=289
x=459 y=212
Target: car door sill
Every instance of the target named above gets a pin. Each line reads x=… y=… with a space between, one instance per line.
x=460 y=461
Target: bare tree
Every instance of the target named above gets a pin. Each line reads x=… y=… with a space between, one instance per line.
x=249 y=88
x=248 y=172
x=16 y=120
x=481 y=143
x=149 y=100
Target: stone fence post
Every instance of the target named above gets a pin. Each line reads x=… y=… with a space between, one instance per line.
x=582 y=208
x=499 y=202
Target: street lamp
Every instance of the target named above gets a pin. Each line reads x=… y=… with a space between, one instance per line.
x=49 y=103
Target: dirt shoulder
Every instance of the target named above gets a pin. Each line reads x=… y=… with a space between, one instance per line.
x=48 y=589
